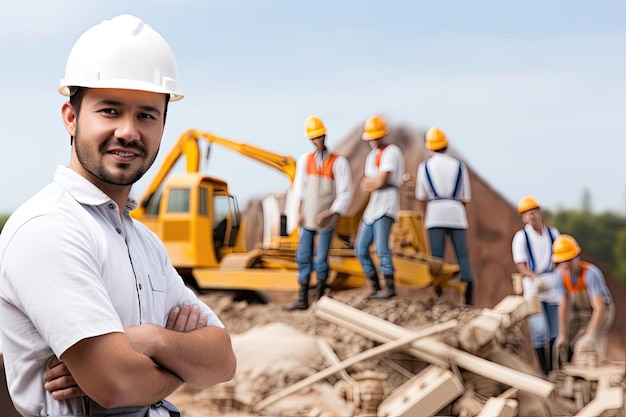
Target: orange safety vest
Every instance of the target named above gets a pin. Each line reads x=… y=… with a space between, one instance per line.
x=580 y=284
x=326 y=170
x=379 y=155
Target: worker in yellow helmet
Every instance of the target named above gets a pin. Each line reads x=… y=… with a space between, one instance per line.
x=443 y=189
x=384 y=170
x=323 y=188
x=95 y=319
x=532 y=254
x=586 y=309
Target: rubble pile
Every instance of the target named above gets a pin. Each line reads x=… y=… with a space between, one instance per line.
x=347 y=356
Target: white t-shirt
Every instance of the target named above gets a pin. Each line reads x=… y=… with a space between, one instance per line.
x=541 y=247
x=384 y=201
x=71 y=269
x=445 y=209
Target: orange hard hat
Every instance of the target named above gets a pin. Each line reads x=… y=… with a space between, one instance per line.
x=374 y=128
x=314 y=127
x=565 y=248
x=526 y=203
x=436 y=139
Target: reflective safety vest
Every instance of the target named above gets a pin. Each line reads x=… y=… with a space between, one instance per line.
x=320 y=191
x=580 y=283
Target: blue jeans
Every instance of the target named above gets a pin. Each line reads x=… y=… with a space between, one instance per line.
x=437 y=238
x=544 y=327
x=377 y=232
x=304 y=255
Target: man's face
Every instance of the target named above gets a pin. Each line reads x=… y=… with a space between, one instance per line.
x=116 y=135
x=533 y=218
x=319 y=143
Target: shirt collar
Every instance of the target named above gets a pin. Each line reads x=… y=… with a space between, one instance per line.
x=84 y=191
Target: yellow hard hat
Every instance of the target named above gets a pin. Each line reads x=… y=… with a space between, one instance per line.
x=565 y=248
x=436 y=139
x=314 y=127
x=374 y=128
x=526 y=203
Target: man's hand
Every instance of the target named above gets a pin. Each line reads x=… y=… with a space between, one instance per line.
x=322 y=218
x=560 y=351
x=186 y=318
x=181 y=319
x=59 y=382
x=587 y=343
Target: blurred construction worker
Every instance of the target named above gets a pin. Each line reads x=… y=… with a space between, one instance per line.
x=532 y=254
x=443 y=188
x=586 y=309
x=323 y=187
x=384 y=169
x=95 y=320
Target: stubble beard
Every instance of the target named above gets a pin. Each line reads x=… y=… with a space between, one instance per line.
x=90 y=161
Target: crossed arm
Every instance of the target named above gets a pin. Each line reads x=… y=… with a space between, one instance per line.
x=146 y=363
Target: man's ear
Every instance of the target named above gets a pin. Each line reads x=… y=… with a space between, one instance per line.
x=69 y=118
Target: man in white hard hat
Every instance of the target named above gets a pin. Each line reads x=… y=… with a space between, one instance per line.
x=95 y=320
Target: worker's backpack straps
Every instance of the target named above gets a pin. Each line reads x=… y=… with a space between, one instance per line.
x=531 y=258
x=457 y=184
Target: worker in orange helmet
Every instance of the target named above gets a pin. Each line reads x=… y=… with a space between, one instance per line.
x=586 y=309
x=384 y=170
x=323 y=188
x=443 y=189
x=532 y=254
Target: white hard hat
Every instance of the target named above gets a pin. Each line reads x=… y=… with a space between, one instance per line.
x=123 y=52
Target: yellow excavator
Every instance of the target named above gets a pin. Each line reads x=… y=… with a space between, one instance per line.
x=201 y=226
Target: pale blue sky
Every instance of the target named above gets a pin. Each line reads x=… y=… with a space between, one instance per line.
x=531 y=93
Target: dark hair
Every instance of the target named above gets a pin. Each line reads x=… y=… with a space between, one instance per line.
x=77 y=94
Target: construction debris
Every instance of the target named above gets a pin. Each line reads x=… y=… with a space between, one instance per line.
x=399 y=357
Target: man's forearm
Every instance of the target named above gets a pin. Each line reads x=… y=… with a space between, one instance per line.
x=201 y=358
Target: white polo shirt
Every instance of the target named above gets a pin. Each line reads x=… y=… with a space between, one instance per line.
x=384 y=201
x=447 y=210
x=71 y=269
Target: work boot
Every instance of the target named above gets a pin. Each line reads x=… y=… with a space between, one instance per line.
x=320 y=290
x=389 y=290
x=543 y=360
x=375 y=285
x=302 y=303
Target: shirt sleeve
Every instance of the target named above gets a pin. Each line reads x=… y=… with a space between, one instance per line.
x=343 y=184
x=518 y=248
x=300 y=178
x=421 y=193
x=62 y=291
x=594 y=280
x=392 y=161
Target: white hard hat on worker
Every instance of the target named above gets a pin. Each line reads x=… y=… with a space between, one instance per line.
x=122 y=53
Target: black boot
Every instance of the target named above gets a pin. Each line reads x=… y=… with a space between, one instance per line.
x=303 y=300
x=468 y=293
x=320 y=289
x=550 y=356
x=543 y=360
x=375 y=285
x=388 y=292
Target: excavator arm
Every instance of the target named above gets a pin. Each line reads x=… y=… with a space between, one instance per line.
x=188 y=146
